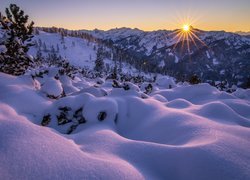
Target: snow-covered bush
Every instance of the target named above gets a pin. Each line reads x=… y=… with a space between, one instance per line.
x=97 y=92
x=130 y=86
x=66 y=114
x=194 y=79
x=100 y=81
x=100 y=109
x=52 y=88
x=165 y=82
x=126 y=86
x=147 y=88
x=67 y=84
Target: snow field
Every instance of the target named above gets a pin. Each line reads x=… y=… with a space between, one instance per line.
x=186 y=132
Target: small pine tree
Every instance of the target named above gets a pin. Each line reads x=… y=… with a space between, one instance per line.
x=194 y=79
x=62 y=39
x=39 y=42
x=45 y=47
x=99 y=63
x=53 y=54
x=57 y=48
x=114 y=73
x=120 y=66
x=38 y=58
x=15 y=60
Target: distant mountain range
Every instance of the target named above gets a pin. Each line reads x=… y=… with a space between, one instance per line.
x=211 y=55
x=243 y=33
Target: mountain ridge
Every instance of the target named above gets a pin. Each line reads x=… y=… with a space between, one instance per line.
x=213 y=55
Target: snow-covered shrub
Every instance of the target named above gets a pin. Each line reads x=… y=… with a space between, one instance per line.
x=39 y=74
x=97 y=92
x=194 y=79
x=100 y=81
x=101 y=109
x=52 y=88
x=130 y=86
x=126 y=86
x=46 y=120
x=67 y=84
x=65 y=115
x=116 y=84
x=165 y=82
x=149 y=88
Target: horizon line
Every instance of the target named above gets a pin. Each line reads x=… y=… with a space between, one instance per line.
x=135 y=28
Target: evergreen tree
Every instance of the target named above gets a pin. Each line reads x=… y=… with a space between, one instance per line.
x=52 y=57
x=15 y=60
x=114 y=73
x=39 y=42
x=194 y=79
x=62 y=39
x=99 y=63
x=45 y=47
x=38 y=58
x=120 y=66
x=39 y=54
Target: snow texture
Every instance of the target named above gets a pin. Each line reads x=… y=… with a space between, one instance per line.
x=186 y=132
x=52 y=87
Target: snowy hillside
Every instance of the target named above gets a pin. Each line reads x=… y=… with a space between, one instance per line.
x=212 y=56
x=95 y=129
x=77 y=50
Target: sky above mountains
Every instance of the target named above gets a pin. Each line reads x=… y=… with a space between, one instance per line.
x=229 y=15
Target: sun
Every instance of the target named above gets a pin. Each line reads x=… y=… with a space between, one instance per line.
x=186 y=28
x=187 y=35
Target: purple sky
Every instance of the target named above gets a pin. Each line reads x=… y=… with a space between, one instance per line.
x=229 y=15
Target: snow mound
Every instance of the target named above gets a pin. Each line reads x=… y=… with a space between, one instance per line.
x=32 y=152
x=67 y=85
x=159 y=98
x=165 y=82
x=185 y=132
x=52 y=87
x=179 y=103
x=243 y=94
x=100 y=109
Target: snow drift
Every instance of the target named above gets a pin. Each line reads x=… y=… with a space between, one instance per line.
x=187 y=132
